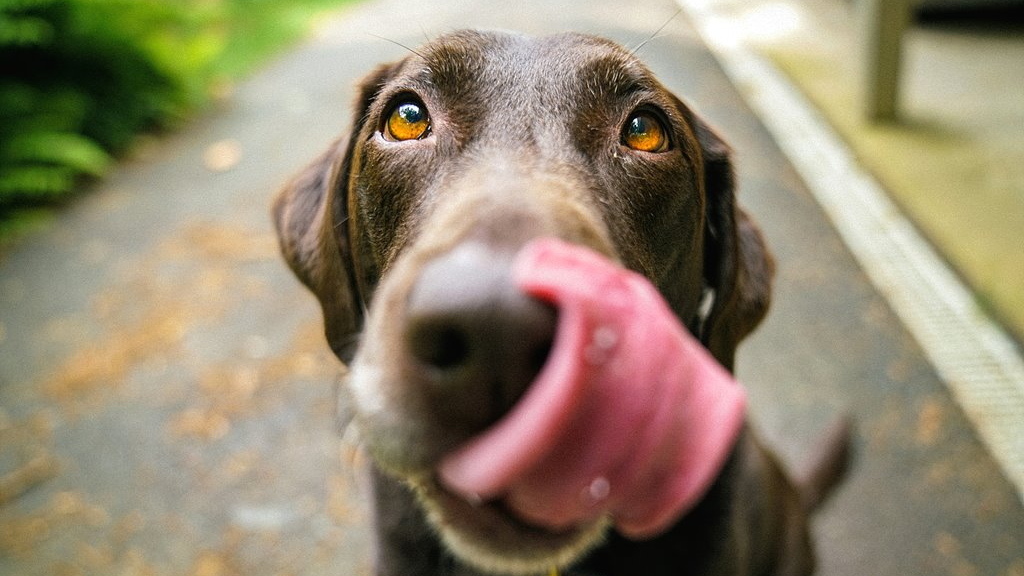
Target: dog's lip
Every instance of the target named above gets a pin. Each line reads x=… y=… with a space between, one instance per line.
x=489 y=535
x=474 y=515
x=498 y=507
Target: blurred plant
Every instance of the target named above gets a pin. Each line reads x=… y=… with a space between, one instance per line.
x=80 y=78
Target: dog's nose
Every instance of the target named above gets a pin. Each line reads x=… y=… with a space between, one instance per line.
x=475 y=340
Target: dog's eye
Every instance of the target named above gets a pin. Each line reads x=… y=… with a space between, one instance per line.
x=645 y=132
x=407 y=121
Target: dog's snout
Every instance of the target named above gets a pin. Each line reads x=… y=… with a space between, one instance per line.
x=473 y=339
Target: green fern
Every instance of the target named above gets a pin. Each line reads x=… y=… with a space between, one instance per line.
x=62 y=149
x=31 y=184
x=20 y=27
x=24 y=31
x=79 y=79
x=76 y=84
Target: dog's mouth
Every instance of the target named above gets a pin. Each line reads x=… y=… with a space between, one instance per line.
x=629 y=417
x=493 y=537
x=626 y=425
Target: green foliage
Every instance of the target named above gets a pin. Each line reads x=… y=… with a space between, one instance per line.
x=79 y=78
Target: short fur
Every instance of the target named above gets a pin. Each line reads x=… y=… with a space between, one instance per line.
x=526 y=141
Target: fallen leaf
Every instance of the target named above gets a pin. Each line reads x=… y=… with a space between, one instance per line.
x=222 y=156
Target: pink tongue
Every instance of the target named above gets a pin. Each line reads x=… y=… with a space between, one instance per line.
x=629 y=416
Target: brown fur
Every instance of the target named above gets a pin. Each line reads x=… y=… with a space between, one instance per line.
x=391 y=236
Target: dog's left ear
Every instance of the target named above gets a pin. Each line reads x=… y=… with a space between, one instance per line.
x=737 y=264
x=311 y=216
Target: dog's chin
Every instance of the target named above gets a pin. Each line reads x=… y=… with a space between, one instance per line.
x=486 y=536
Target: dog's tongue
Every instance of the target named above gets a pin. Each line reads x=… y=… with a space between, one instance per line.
x=630 y=416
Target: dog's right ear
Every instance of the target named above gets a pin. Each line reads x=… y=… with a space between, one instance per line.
x=311 y=217
x=738 y=265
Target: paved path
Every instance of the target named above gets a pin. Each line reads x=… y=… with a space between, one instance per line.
x=164 y=384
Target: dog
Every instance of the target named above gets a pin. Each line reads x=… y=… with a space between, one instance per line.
x=460 y=154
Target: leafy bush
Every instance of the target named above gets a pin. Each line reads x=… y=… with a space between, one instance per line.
x=79 y=78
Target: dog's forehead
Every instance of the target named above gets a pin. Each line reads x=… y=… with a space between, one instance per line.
x=513 y=63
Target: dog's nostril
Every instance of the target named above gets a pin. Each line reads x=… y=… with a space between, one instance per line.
x=439 y=345
x=452 y=349
x=474 y=342
x=539 y=356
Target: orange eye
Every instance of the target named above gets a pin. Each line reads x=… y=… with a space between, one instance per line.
x=645 y=132
x=407 y=121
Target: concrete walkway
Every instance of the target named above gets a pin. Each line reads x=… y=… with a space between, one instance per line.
x=167 y=397
x=954 y=159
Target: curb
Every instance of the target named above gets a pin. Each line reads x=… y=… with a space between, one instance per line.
x=977 y=360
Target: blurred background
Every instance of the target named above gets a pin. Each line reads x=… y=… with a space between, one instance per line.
x=83 y=81
x=166 y=397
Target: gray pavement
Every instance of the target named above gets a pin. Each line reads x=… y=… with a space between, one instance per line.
x=165 y=388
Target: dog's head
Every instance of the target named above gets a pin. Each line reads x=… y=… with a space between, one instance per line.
x=459 y=155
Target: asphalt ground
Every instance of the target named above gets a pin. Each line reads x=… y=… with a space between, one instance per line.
x=167 y=399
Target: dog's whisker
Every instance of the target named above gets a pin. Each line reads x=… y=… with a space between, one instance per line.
x=644 y=43
x=656 y=32
x=396 y=43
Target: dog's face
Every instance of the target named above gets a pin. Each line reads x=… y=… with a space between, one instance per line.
x=460 y=154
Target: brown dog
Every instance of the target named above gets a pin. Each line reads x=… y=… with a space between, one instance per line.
x=405 y=230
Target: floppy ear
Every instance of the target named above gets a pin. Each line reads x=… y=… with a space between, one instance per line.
x=311 y=216
x=737 y=263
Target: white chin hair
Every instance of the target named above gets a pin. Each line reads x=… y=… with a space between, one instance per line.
x=495 y=562
x=487 y=539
